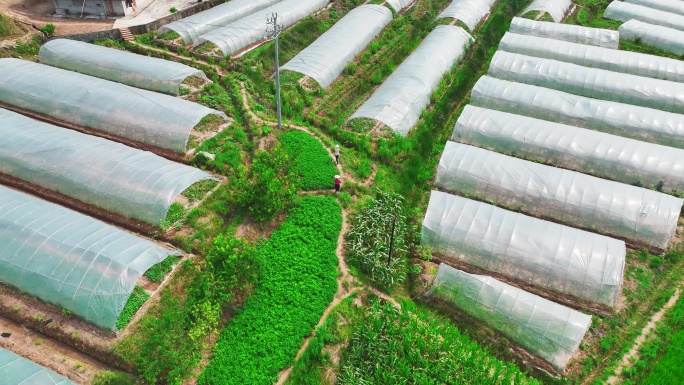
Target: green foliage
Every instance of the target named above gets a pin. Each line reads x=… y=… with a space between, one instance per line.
x=310 y=160
x=304 y=371
x=380 y=224
x=49 y=29
x=170 y=35
x=392 y=346
x=9 y=27
x=173 y=10
x=175 y=213
x=134 y=303
x=198 y=190
x=669 y=369
x=112 y=378
x=157 y=272
x=297 y=280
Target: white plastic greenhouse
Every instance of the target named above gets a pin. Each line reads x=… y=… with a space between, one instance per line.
x=325 y=59
x=118 y=66
x=70 y=260
x=637 y=215
x=17 y=370
x=591 y=152
x=529 y=250
x=664 y=38
x=242 y=33
x=590 y=82
x=554 y=8
x=620 y=119
x=147 y=117
x=673 y=6
x=470 y=12
x=544 y=328
x=192 y=27
x=621 y=11
x=399 y=5
x=628 y=62
x=566 y=32
x=130 y=182
x=400 y=100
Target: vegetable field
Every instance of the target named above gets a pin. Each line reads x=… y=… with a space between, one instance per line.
x=310 y=160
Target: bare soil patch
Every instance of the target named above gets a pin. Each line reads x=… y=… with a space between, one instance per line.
x=39 y=13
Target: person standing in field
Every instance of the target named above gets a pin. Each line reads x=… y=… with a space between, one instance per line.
x=338 y=183
x=337 y=154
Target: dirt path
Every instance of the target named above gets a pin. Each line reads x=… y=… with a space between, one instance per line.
x=626 y=359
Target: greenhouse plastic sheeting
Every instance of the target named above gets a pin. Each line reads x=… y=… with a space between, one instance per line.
x=635 y=214
x=620 y=119
x=664 y=38
x=399 y=5
x=673 y=6
x=470 y=12
x=325 y=59
x=116 y=65
x=400 y=100
x=565 y=32
x=617 y=10
x=596 y=57
x=192 y=27
x=532 y=251
x=554 y=8
x=17 y=370
x=134 y=183
x=603 y=155
x=144 y=116
x=544 y=328
x=70 y=260
x=590 y=82
x=252 y=29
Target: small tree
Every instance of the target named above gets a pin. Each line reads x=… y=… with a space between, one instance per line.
x=377 y=241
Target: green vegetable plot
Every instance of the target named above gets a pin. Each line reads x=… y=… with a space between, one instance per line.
x=311 y=161
x=670 y=370
x=134 y=303
x=298 y=270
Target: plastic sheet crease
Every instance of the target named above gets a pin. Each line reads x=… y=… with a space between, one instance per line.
x=566 y=32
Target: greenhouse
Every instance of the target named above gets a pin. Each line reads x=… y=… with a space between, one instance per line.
x=118 y=66
x=619 y=119
x=325 y=59
x=556 y=9
x=70 y=260
x=242 y=33
x=192 y=27
x=663 y=5
x=529 y=250
x=596 y=57
x=590 y=82
x=400 y=100
x=621 y=11
x=147 y=117
x=127 y=181
x=17 y=370
x=667 y=39
x=566 y=32
x=469 y=12
x=399 y=5
x=542 y=327
x=591 y=152
x=637 y=215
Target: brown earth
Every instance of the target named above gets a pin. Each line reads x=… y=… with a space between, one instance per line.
x=39 y=13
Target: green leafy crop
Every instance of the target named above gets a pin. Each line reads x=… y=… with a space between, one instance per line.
x=311 y=161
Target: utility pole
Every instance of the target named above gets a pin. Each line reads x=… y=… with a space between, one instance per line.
x=275 y=29
x=389 y=255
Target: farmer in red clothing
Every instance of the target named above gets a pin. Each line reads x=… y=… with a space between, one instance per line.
x=338 y=183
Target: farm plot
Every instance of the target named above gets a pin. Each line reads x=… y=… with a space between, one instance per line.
x=311 y=161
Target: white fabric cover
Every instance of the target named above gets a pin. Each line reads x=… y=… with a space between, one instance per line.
x=590 y=82
x=252 y=29
x=566 y=32
x=591 y=152
x=529 y=250
x=193 y=26
x=470 y=12
x=620 y=119
x=637 y=215
x=596 y=57
x=325 y=59
x=555 y=8
x=147 y=117
x=544 y=328
x=116 y=65
x=617 y=10
x=400 y=100
x=664 y=38
x=399 y=5
x=673 y=6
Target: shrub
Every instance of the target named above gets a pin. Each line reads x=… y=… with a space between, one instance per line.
x=173 y=10
x=49 y=29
